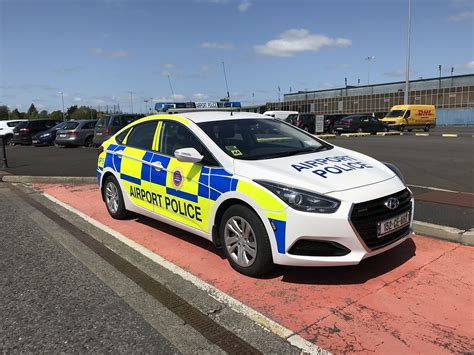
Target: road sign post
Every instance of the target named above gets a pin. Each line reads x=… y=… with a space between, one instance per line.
x=319 y=124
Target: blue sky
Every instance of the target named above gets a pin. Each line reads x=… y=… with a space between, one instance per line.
x=96 y=52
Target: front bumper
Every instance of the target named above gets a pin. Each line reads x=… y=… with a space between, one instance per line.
x=341 y=230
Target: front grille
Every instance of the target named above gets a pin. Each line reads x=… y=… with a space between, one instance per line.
x=366 y=215
x=318 y=248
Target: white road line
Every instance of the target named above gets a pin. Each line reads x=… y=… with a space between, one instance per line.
x=276 y=328
x=438 y=189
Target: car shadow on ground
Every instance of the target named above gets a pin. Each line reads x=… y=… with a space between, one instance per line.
x=338 y=275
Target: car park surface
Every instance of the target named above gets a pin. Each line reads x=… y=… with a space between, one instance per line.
x=413 y=299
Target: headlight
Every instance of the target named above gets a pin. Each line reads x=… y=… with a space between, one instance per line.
x=302 y=200
x=396 y=171
x=45 y=135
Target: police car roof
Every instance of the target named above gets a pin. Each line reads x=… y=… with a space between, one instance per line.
x=209 y=116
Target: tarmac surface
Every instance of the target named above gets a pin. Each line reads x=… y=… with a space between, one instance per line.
x=52 y=303
x=416 y=298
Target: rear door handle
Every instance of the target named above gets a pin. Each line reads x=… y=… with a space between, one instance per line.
x=157 y=165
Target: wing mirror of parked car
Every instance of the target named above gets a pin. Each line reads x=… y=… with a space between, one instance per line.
x=188 y=155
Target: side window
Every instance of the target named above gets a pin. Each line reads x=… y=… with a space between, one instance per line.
x=407 y=114
x=176 y=136
x=142 y=135
x=116 y=121
x=89 y=125
x=120 y=137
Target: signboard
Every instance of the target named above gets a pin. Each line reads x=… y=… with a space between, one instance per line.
x=206 y=104
x=319 y=123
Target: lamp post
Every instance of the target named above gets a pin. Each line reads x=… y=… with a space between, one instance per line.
x=407 y=74
x=62 y=100
x=369 y=59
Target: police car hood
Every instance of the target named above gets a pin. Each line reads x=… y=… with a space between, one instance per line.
x=324 y=172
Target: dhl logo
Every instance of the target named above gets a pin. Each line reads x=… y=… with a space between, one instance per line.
x=424 y=112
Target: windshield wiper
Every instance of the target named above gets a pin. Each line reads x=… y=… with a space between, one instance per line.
x=306 y=150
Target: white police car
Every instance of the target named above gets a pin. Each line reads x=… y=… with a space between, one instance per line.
x=265 y=191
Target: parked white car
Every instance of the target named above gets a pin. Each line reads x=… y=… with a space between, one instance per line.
x=6 y=129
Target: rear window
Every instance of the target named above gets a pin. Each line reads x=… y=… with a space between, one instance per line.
x=88 y=125
x=13 y=124
x=71 y=125
x=22 y=124
x=102 y=122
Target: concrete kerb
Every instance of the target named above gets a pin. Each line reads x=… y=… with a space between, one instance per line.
x=444 y=232
x=47 y=179
x=350 y=135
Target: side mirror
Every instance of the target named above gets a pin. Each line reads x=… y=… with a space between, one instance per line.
x=188 y=155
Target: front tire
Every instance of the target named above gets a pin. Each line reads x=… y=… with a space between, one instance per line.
x=113 y=198
x=245 y=241
x=427 y=128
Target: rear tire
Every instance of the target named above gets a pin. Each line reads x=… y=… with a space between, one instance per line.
x=88 y=142
x=306 y=128
x=360 y=130
x=245 y=241
x=112 y=194
x=409 y=130
x=402 y=128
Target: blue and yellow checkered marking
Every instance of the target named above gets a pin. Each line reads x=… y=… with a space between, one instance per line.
x=211 y=184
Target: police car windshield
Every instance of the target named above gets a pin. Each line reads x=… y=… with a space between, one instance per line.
x=255 y=139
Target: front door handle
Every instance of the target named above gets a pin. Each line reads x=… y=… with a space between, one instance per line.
x=157 y=165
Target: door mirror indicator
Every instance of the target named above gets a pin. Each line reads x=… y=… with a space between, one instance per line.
x=188 y=155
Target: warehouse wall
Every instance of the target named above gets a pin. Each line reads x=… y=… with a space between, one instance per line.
x=463 y=116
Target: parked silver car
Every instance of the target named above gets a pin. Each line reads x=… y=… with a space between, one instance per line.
x=76 y=133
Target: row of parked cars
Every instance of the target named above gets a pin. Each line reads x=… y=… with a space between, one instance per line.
x=41 y=132
x=332 y=124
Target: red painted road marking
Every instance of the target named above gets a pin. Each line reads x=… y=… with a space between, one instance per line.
x=415 y=298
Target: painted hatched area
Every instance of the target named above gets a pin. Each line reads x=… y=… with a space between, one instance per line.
x=415 y=298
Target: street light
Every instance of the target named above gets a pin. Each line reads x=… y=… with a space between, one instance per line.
x=407 y=75
x=62 y=100
x=369 y=59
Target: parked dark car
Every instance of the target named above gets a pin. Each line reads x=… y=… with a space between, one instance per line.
x=306 y=121
x=360 y=124
x=330 y=121
x=76 y=133
x=108 y=125
x=47 y=137
x=23 y=132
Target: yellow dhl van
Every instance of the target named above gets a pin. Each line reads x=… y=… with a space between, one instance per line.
x=410 y=117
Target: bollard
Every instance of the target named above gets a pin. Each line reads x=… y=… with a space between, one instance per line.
x=3 y=158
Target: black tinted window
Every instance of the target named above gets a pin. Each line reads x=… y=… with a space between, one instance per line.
x=71 y=125
x=88 y=125
x=176 y=136
x=13 y=124
x=120 y=137
x=101 y=123
x=142 y=135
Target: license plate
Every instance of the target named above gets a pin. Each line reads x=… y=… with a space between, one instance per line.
x=62 y=135
x=35 y=141
x=339 y=128
x=99 y=134
x=16 y=134
x=390 y=225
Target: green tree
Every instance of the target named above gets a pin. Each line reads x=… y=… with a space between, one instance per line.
x=43 y=114
x=16 y=115
x=70 y=111
x=83 y=113
x=4 y=111
x=32 y=112
x=56 y=115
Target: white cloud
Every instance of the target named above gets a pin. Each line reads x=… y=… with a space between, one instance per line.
x=469 y=66
x=77 y=99
x=216 y=45
x=297 y=41
x=110 y=54
x=169 y=66
x=175 y=97
x=244 y=5
x=165 y=73
x=462 y=16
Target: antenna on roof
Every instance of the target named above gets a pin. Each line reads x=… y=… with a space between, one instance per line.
x=171 y=87
x=226 y=85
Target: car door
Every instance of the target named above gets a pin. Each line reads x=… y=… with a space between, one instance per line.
x=136 y=163
x=186 y=185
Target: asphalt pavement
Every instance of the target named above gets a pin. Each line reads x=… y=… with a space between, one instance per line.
x=52 y=303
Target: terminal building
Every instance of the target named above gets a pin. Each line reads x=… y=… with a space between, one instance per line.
x=453 y=97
